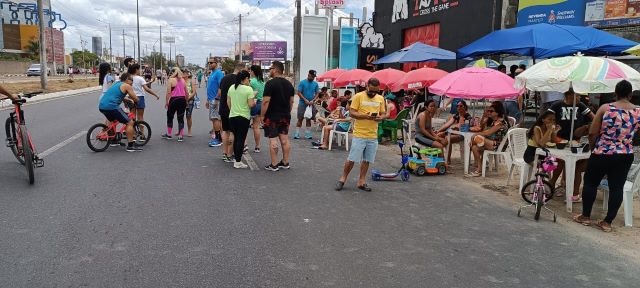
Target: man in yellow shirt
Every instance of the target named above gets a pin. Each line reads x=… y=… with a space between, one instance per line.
x=367 y=108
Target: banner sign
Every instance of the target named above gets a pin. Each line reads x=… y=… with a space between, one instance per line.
x=368 y=56
x=336 y=4
x=269 y=50
x=562 y=12
x=603 y=13
x=427 y=7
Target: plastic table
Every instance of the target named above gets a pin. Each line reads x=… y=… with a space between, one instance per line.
x=467 y=146
x=570 y=160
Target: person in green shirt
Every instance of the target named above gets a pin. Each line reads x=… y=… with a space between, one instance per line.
x=240 y=100
x=257 y=83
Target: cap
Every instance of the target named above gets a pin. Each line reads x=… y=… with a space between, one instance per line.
x=312 y=72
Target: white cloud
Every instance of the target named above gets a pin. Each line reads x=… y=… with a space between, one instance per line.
x=200 y=27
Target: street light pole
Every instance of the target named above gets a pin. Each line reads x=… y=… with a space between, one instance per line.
x=138 y=20
x=43 y=48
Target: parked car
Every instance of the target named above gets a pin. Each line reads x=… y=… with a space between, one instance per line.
x=35 y=70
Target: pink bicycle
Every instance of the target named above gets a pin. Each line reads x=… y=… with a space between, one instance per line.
x=538 y=192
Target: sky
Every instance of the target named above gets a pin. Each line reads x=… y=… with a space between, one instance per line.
x=201 y=27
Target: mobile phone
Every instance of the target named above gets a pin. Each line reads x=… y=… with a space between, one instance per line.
x=374 y=114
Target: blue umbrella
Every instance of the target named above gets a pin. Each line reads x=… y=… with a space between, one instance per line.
x=546 y=41
x=417 y=52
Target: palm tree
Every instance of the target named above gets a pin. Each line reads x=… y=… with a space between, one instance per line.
x=33 y=48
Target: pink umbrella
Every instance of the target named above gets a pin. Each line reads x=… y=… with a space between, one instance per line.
x=352 y=77
x=476 y=83
x=330 y=75
x=419 y=79
x=388 y=77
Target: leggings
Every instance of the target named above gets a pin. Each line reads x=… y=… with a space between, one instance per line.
x=615 y=167
x=176 y=105
x=239 y=128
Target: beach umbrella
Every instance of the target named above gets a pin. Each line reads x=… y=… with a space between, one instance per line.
x=417 y=52
x=582 y=73
x=352 y=77
x=330 y=75
x=388 y=77
x=635 y=50
x=476 y=83
x=419 y=79
x=484 y=63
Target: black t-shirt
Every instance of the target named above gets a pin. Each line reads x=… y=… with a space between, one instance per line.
x=563 y=117
x=226 y=83
x=280 y=92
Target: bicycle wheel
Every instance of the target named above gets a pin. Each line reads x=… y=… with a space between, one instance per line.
x=97 y=138
x=142 y=132
x=28 y=153
x=12 y=140
x=539 y=202
x=527 y=191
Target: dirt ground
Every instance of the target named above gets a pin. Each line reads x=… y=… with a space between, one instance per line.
x=53 y=85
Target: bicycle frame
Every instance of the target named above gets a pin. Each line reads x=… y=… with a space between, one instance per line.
x=114 y=127
x=18 y=118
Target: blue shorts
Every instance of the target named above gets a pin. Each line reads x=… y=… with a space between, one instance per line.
x=255 y=111
x=141 y=104
x=363 y=150
x=116 y=115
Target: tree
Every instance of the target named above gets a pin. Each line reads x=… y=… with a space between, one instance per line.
x=33 y=47
x=229 y=64
x=154 y=59
x=85 y=59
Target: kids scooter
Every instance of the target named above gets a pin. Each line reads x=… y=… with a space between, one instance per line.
x=402 y=172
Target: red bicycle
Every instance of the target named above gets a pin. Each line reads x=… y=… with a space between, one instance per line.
x=101 y=136
x=19 y=139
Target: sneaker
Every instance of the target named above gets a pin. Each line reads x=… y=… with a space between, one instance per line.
x=296 y=135
x=134 y=148
x=214 y=143
x=283 y=166
x=116 y=144
x=271 y=168
x=180 y=138
x=240 y=165
x=245 y=150
x=316 y=144
x=257 y=150
x=166 y=136
x=308 y=135
x=228 y=159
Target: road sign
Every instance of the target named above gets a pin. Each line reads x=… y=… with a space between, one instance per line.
x=335 y=4
x=169 y=39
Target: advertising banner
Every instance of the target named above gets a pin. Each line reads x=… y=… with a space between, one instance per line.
x=604 y=13
x=563 y=12
x=428 y=7
x=330 y=4
x=368 y=56
x=269 y=50
x=58 y=45
x=247 y=53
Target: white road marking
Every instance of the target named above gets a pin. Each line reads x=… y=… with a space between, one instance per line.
x=252 y=164
x=61 y=144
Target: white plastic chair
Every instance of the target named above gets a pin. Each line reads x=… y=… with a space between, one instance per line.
x=630 y=186
x=340 y=135
x=512 y=121
x=414 y=115
x=501 y=151
x=517 y=146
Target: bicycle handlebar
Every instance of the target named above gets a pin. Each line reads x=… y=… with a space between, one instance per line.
x=29 y=94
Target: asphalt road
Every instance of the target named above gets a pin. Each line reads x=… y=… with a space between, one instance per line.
x=175 y=215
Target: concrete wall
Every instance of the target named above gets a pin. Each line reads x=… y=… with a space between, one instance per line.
x=13 y=67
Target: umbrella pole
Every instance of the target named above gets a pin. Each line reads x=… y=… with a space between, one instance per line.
x=573 y=114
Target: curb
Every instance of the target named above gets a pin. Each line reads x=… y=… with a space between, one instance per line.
x=54 y=95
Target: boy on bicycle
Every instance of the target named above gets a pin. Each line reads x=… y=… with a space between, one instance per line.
x=110 y=106
x=4 y=92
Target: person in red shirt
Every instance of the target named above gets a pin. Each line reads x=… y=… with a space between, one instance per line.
x=333 y=102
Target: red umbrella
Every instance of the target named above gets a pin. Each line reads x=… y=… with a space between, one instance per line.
x=352 y=77
x=388 y=77
x=419 y=79
x=330 y=75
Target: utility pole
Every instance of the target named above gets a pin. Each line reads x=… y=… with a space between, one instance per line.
x=138 y=21
x=110 y=43
x=84 y=63
x=124 y=50
x=43 y=48
x=265 y=34
x=296 y=41
x=240 y=37
x=53 y=51
x=161 y=62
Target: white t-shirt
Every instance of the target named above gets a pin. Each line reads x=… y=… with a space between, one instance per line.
x=138 y=82
x=107 y=82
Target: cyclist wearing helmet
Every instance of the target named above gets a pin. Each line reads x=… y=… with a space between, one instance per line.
x=110 y=106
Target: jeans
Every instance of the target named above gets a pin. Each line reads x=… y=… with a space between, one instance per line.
x=615 y=167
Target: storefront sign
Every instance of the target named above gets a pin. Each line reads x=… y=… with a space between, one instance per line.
x=566 y=12
x=400 y=10
x=336 y=4
x=427 y=7
x=368 y=56
x=269 y=50
x=603 y=13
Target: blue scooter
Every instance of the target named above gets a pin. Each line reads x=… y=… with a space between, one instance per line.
x=403 y=172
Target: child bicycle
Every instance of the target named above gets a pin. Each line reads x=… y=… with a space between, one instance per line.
x=101 y=136
x=19 y=138
x=538 y=192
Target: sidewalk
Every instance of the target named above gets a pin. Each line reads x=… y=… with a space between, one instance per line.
x=4 y=104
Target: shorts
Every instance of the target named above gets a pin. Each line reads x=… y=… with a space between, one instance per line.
x=511 y=109
x=116 y=115
x=214 y=112
x=424 y=140
x=303 y=107
x=363 y=150
x=255 y=111
x=190 y=106
x=141 y=103
x=224 y=118
x=274 y=128
x=340 y=129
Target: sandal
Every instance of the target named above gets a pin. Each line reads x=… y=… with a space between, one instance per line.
x=604 y=225
x=474 y=174
x=365 y=187
x=339 y=185
x=584 y=220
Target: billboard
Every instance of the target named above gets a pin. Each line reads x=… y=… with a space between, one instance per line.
x=314 y=45
x=330 y=4
x=269 y=50
x=563 y=12
x=58 y=45
x=603 y=13
x=247 y=53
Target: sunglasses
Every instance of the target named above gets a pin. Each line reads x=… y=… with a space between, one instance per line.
x=491 y=111
x=212 y=62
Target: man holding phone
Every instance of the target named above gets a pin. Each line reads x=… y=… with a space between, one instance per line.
x=367 y=108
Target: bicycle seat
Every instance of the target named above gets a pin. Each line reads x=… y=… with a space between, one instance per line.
x=19 y=101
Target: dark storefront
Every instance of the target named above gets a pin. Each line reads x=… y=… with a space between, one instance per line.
x=448 y=24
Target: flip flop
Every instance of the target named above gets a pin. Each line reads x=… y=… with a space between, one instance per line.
x=606 y=227
x=339 y=185
x=365 y=188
